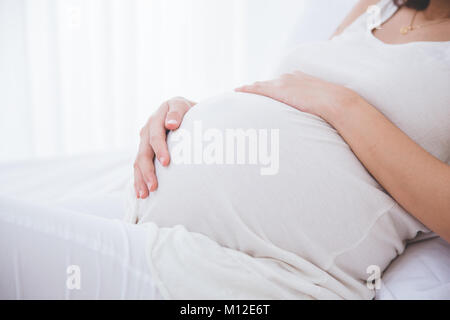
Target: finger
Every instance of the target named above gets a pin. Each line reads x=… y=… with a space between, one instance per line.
x=145 y=162
x=256 y=88
x=300 y=74
x=177 y=109
x=147 y=170
x=157 y=135
x=246 y=89
x=139 y=185
x=159 y=144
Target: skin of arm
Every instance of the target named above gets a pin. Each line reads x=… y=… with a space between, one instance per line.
x=418 y=181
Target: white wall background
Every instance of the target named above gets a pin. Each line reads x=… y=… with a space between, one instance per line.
x=80 y=76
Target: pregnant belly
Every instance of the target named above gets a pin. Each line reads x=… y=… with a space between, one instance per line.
x=298 y=186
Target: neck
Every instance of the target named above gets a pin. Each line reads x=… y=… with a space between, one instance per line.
x=438 y=9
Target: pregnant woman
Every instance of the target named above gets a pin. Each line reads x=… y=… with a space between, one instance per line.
x=364 y=147
x=346 y=158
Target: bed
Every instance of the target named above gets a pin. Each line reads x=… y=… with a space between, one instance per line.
x=94 y=184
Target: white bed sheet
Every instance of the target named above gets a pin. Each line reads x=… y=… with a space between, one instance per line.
x=91 y=184
x=94 y=184
x=422 y=272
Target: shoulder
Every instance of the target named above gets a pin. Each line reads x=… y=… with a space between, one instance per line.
x=359 y=9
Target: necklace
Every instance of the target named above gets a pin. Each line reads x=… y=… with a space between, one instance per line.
x=404 y=30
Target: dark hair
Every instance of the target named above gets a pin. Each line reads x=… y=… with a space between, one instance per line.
x=414 y=4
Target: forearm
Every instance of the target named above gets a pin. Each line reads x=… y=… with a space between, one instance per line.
x=419 y=182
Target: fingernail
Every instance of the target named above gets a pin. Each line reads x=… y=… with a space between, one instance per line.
x=141 y=194
x=172 y=121
x=162 y=160
x=149 y=186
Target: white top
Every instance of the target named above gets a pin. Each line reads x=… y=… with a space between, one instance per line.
x=314 y=229
x=409 y=83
